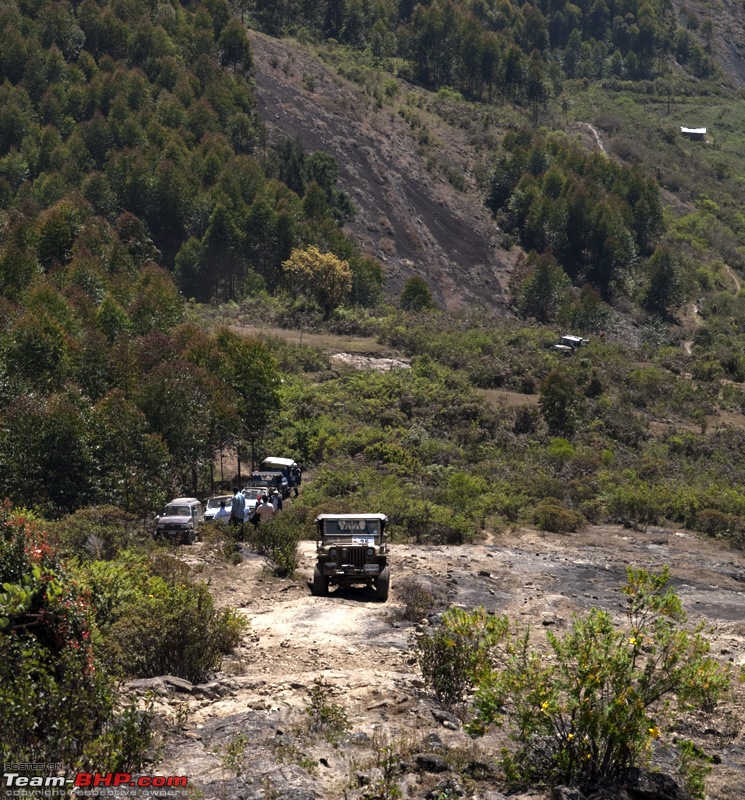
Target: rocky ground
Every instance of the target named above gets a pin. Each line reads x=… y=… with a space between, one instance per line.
x=246 y=734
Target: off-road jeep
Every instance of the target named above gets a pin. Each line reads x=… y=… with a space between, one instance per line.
x=351 y=550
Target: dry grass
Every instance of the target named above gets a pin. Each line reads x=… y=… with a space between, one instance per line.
x=327 y=342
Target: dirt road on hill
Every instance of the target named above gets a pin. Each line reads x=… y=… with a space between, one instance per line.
x=362 y=649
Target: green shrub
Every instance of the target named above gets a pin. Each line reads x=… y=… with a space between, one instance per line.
x=560 y=450
x=713 y=522
x=277 y=540
x=297 y=358
x=395 y=457
x=416 y=295
x=154 y=620
x=593 y=709
x=693 y=766
x=56 y=701
x=707 y=371
x=453 y=656
x=425 y=522
x=552 y=515
x=99 y=532
x=640 y=503
x=561 y=405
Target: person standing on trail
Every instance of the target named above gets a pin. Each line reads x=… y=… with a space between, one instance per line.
x=276 y=500
x=296 y=477
x=237 y=513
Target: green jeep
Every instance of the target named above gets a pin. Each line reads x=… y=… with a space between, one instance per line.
x=351 y=551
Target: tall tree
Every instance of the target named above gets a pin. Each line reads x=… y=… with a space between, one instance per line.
x=321 y=277
x=222 y=253
x=233 y=46
x=250 y=369
x=560 y=403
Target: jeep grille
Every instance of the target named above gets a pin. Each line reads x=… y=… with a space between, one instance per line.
x=352 y=557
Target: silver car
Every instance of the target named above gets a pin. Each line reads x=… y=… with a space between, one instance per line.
x=180 y=520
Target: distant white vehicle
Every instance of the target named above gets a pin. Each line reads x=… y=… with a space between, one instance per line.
x=569 y=343
x=693 y=133
x=291 y=473
x=251 y=493
x=213 y=507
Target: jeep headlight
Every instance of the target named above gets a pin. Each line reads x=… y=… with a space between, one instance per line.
x=332 y=552
x=370 y=551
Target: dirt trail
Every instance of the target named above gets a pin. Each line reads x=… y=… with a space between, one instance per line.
x=595 y=135
x=362 y=649
x=734 y=277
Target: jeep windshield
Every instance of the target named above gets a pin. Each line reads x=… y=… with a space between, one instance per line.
x=345 y=529
x=214 y=502
x=177 y=511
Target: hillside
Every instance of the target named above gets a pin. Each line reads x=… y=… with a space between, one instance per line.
x=352 y=233
x=408 y=214
x=421 y=180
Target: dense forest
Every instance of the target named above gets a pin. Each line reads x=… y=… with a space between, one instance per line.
x=485 y=47
x=133 y=174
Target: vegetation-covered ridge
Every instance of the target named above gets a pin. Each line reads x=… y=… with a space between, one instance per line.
x=517 y=50
x=133 y=172
x=131 y=138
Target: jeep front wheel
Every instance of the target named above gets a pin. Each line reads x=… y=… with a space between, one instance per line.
x=382 y=585
x=320 y=587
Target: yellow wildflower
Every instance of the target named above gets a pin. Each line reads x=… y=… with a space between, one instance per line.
x=654 y=732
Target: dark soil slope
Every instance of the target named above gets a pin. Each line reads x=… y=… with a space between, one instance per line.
x=410 y=217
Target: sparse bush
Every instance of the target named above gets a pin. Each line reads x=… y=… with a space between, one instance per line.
x=552 y=515
x=219 y=541
x=453 y=656
x=386 y=787
x=593 y=710
x=693 y=767
x=234 y=752
x=324 y=717
x=277 y=540
x=418 y=600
